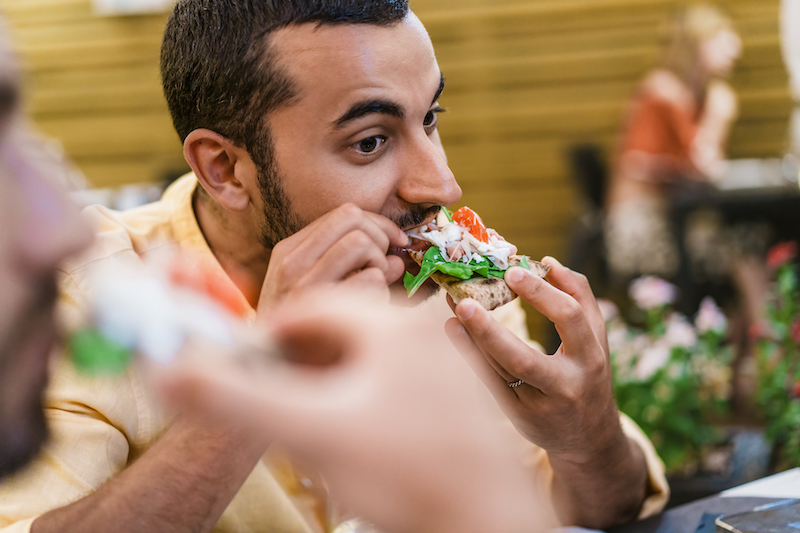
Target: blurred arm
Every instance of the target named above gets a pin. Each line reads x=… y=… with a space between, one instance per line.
x=183 y=483
x=708 y=147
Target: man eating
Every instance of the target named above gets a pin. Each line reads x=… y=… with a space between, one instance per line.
x=311 y=131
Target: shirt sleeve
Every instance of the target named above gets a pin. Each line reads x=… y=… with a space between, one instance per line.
x=96 y=426
x=658 y=489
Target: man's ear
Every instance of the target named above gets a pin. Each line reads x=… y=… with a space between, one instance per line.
x=222 y=168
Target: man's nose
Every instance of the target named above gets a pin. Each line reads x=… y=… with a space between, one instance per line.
x=426 y=179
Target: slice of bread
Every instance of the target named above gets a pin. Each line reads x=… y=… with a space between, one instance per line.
x=489 y=292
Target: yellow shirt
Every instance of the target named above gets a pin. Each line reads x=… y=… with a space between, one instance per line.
x=99 y=426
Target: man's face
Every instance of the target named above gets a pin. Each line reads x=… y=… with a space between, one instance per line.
x=363 y=128
x=40 y=228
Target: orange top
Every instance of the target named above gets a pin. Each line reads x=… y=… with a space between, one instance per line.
x=657 y=126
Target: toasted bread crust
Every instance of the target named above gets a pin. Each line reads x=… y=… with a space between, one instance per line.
x=491 y=293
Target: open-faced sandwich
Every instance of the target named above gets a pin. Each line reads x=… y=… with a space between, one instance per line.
x=466 y=258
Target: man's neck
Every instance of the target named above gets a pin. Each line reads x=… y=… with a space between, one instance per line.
x=234 y=242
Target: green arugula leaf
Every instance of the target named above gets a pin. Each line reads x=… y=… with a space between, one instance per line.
x=524 y=263
x=95 y=354
x=448 y=214
x=433 y=261
x=455 y=269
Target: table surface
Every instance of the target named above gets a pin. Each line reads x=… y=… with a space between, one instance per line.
x=685 y=518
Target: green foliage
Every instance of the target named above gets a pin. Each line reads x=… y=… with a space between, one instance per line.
x=778 y=356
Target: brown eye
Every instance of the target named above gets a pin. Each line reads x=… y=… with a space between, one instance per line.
x=370 y=144
x=431 y=122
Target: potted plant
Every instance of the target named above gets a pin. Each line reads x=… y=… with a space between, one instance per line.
x=671 y=376
x=778 y=357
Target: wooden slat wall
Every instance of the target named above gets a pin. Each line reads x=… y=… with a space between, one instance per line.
x=93 y=83
x=525 y=80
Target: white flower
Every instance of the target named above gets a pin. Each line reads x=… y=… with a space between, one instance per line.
x=626 y=351
x=608 y=309
x=653 y=358
x=679 y=332
x=617 y=337
x=710 y=318
x=650 y=292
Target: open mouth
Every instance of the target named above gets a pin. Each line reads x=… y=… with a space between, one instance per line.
x=413 y=244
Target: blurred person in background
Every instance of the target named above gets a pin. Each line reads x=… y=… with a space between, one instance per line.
x=308 y=163
x=674 y=134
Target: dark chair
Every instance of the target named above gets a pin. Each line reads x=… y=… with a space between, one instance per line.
x=586 y=251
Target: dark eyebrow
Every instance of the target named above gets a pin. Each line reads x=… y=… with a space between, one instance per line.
x=367 y=107
x=440 y=89
x=362 y=109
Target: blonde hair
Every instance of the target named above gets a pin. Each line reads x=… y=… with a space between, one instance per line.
x=688 y=29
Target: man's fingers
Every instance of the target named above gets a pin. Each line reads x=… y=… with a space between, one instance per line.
x=576 y=285
x=395 y=269
x=351 y=253
x=519 y=360
x=563 y=310
x=397 y=237
x=310 y=243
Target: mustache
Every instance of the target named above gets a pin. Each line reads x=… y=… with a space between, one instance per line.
x=414 y=217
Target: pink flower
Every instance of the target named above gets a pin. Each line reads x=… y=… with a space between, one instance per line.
x=760 y=330
x=653 y=358
x=710 y=318
x=781 y=253
x=796 y=331
x=650 y=292
x=679 y=332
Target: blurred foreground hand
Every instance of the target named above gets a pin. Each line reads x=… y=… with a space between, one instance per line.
x=376 y=399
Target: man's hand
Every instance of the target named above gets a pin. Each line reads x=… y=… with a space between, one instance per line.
x=566 y=403
x=345 y=246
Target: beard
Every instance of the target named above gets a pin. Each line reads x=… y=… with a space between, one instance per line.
x=22 y=438
x=280 y=220
x=24 y=360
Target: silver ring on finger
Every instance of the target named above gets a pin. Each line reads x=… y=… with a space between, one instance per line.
x=514 y=384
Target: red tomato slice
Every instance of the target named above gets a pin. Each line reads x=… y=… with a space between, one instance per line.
x=467 y=218
x=200 y=277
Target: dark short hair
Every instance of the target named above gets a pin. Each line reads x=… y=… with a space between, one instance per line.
x=216 y=68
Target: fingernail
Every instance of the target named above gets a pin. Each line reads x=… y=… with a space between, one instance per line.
x=552 y=260
x=465 y=309
x=515 y=275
